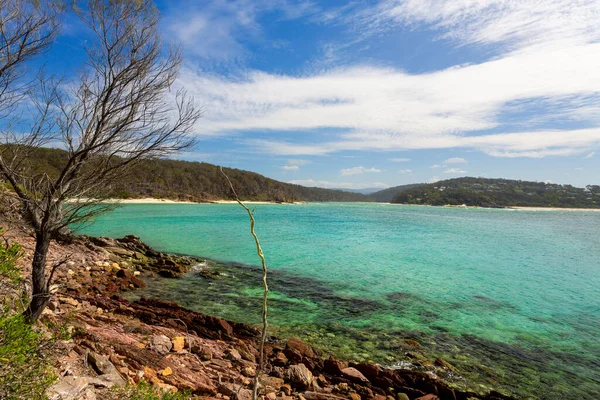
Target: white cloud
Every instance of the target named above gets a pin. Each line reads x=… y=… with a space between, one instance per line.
x=297 y=162
x=435 y=166
x=455 y=171
x=399 y=159
x=294 y=164
x=442 y=109
x=513 y=23
x=455 y=160
x=433 y=179
x=357 y=170
x=338 y=185
x=590 y=155
x=553 y=62
x=405 y=171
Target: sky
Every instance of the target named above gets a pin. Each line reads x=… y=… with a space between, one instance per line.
x=372 y=94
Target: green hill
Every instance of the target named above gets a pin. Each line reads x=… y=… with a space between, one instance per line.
x=387 y=195
x=500 y=193
x=195 y=181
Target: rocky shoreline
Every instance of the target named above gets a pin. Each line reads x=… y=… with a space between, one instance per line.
x=115 y=341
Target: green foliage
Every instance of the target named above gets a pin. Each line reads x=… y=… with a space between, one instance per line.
x=25 y=372
x=500 y=193
x=9 y=254
x=193 y=181
x=387 y=195
x=144 y=391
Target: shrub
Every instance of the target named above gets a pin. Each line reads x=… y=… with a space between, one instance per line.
x=25 y=371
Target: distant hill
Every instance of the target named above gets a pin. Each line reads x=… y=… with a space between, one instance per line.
x=500 y=193
x=195 y=181
x=387 y=195
x=366 y=191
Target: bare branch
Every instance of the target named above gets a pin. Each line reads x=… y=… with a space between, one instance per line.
x=260 y=253
x=118 y=112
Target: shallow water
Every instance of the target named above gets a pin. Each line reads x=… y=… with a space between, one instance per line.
x=510 y=297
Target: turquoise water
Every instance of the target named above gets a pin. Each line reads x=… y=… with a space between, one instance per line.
x=510 y=297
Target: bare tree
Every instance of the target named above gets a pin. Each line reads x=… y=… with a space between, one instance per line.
x=27 y=29
x=119 y=111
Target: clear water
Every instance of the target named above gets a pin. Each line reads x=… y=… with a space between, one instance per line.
x=511 y=298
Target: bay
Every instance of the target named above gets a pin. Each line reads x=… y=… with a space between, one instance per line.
x=511 y=297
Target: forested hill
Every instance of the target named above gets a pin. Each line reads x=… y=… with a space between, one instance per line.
x=387 y=195
x=501 y=193
x=195 y=181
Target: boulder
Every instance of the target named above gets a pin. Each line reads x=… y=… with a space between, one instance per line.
x=161 y=344
x=354 y=375
x=333 y=366
x=271 y=384
x=203 y=352
x=233 y=355
x=280 y=359
x=299 y=376
x=106 y=370
x=304 y=349
x=68 y=388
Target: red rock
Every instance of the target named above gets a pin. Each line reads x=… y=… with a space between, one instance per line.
x=354 y=375
x=280 y=360
x=333 y=366
x=304 y=349
x=428 y=397
x=370 y=371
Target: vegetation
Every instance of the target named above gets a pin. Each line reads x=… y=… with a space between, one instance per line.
x=25 y=370
x=144 y=391
x=387 y=195
x=193 y=181
x=484 y=192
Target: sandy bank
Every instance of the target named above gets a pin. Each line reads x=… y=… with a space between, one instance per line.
x=553 y=209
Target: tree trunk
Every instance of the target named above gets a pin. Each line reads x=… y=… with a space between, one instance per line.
x=39 y=295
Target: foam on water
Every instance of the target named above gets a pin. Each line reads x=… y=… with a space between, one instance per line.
x=513 y=291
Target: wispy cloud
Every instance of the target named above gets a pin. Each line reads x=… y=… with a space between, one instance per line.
x=455 y=171
x=590 y=155
x=455 y=160
x=217 y=30
x=294 y=164
x=512 y=23
x=399 y=159
x=357 y=171
x=297 y=162
x=405 y=171
x=386 y=109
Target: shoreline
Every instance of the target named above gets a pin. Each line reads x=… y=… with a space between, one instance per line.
x=520 y=208
x=139 y=339
x=154 y=200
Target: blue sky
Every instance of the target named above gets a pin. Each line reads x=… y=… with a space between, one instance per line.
x=356 y=94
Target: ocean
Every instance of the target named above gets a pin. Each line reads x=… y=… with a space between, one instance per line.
x=510 y=298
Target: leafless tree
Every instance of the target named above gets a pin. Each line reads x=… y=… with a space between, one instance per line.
x=27 y=29
x=119 y=111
